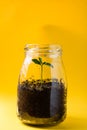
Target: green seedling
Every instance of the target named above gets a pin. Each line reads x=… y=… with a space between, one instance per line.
x=41 y=63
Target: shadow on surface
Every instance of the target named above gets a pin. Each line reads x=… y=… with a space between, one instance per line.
x=72 y=123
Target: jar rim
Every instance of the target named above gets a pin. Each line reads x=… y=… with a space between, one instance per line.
x=48 y=48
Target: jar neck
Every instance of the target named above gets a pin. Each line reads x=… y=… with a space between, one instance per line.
x=43 y=49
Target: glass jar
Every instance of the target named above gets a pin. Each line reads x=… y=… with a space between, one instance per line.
x=42 y=89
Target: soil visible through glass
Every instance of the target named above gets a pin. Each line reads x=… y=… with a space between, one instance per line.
x=43 y=100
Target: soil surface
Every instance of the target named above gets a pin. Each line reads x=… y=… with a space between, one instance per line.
x=42 y=100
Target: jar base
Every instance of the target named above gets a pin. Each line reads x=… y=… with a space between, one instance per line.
x=33 y=121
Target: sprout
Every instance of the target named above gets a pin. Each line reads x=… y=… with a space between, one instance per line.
x=41 y=63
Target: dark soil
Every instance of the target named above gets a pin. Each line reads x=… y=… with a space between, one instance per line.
x=42 y=100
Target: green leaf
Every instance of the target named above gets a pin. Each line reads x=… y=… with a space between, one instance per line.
x=36 y=61
x=40 y=60
x=46 y=63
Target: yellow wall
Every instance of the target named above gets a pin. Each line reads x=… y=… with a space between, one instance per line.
x=48 y=21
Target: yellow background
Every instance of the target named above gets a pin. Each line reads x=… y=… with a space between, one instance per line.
x=48 y=21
